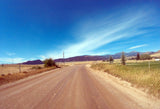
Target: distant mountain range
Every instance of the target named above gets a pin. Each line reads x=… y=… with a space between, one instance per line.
x=93 y=58
x=96 y=58
x=81 y=58
x=34 y=62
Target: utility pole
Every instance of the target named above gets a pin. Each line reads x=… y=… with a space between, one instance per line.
x=149 y=66
x=12 y=61
x=63 y=58
x=19 y=68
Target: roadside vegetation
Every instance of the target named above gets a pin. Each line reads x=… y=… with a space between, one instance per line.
x=16 y=68
x=26 y=70
x=138 y=73
x=123 y=59
x=49 y=62
x=111 y=59
x=6 y=78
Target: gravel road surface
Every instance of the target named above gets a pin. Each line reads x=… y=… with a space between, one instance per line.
x=73 y=87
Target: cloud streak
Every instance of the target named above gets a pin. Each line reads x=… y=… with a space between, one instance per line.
x=138 y=46
x=102 y=31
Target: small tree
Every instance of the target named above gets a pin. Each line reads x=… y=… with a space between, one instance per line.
x=138 y=56
x=123 y=60
x=49 y=62
x=111 y=59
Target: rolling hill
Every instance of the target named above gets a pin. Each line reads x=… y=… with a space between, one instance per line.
x=156 y=54
x=95 y=58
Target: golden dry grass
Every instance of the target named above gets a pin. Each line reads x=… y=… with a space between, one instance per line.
x=155 y=55
x=76 y=63
x=136 y=73
x=6 y=78
x=14 y=68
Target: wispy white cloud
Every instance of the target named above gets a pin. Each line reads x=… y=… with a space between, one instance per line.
x=138 y=46
x=10 y=59
x=10 y=53
x=101 y=32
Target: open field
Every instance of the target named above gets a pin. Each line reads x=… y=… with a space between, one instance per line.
x=11 y=77
x=76 y=63
x=15 y=68
x=136 y=73
x=116 y=61
x=13 y=72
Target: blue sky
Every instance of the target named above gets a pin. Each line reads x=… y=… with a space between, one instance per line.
x=39 y=29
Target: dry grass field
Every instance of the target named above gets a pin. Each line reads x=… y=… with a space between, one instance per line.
x=138 y=73
x=11 y=73
x=155 y=55
x=76 y=63
x=15 y=68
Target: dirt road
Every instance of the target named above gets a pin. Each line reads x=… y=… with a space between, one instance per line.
x=73 y=87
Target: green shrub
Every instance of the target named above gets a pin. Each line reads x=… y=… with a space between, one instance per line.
x=49 y=62
x=36 y=67
x=111 y=59
x=123 y=59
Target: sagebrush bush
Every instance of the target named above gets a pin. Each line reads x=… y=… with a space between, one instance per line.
x=36 y=67
x=49 y=62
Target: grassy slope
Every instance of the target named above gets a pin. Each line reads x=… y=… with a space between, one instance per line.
x=136 y=73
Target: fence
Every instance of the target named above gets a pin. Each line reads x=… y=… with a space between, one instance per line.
x=15 y=68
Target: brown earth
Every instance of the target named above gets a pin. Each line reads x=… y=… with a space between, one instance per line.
x=74 y=87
